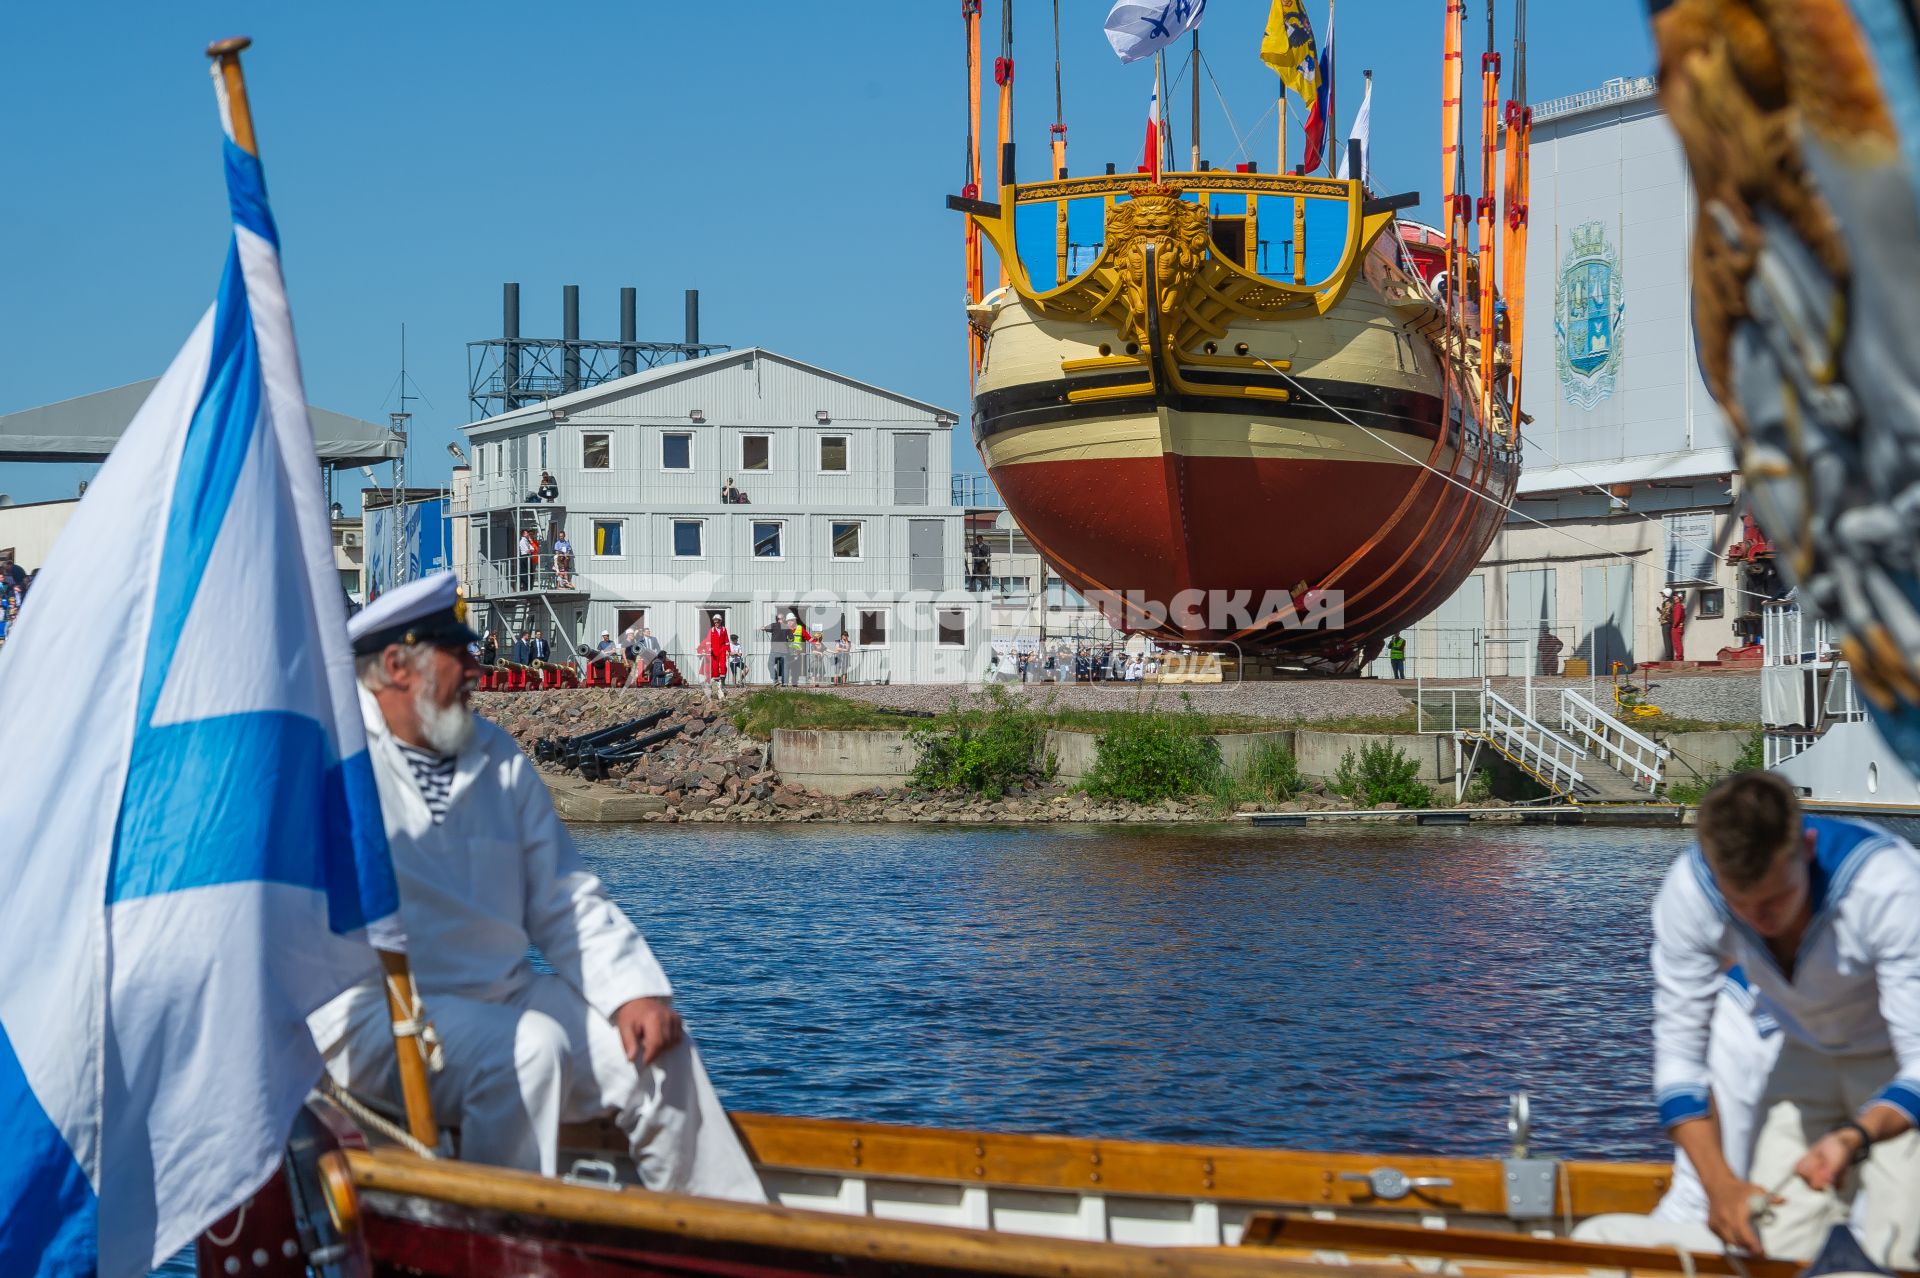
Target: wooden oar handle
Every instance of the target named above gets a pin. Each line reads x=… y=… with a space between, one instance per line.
x=408 y=1048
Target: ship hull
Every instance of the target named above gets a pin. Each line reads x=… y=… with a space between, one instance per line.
x=1215 y=510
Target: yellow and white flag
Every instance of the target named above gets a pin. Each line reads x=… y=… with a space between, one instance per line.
x=1289 y=49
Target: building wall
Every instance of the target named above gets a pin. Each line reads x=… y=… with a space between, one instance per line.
x=609 y=454
x=32 y=528
x=1625 y=442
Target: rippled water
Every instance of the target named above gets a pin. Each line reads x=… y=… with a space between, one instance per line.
x=1352 y=988
x=1346 y=988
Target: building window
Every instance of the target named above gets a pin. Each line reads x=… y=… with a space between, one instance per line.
x=873 y=628
x=543 y=449
x=596 y=452
x=756 y=452
x=1690 y=556
x=686 y=539
x=846 y=539
x=833 y=452
x=676 y=452
x=952 y=623
x=480 y=462
x=606 y=538
x=766 y=539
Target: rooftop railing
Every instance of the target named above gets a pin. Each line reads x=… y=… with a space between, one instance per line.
x=1619 y=89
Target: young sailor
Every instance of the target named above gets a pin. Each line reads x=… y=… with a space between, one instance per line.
x=1823 y=915
x=487 y=872
x=1745 y=1043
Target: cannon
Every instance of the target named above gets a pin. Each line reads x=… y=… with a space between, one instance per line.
x=596 y=764
x=567 y=751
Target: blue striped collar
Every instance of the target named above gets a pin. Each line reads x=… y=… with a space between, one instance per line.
x=1841 y=847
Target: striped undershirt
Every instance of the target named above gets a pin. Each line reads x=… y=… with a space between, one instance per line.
x=433 y=773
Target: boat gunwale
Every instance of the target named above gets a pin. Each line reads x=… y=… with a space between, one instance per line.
x=1240 y=1175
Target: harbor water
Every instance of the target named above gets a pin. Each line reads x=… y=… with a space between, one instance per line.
x=1378 y=989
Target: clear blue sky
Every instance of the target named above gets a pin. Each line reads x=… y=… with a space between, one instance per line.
x=789 y=160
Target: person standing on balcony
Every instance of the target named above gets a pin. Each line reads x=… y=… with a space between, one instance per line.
x=523 y=565
x=563 y=558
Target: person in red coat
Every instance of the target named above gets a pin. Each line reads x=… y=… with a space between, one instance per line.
x=716 y=648
x=1677 y=624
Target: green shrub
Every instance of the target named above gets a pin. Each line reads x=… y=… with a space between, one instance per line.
x=987 y=749
x=1145 y=757
x=1382 y=774
x=1479 y=787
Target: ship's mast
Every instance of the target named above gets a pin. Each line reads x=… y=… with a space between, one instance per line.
x=1193 y=73
x=970 y=187
x=1059 y=130
x=1489 y=223
x=1003 y=76
x=1518 y=180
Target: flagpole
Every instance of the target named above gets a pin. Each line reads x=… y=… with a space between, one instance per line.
x=399 y=982
x=1196 y=99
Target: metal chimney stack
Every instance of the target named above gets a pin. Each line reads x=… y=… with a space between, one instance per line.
x=569 y=338
x=629 y=332
x=510 y=362
x=693 y=317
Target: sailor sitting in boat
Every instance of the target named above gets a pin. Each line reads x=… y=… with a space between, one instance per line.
x=486 y=871
x=1823 y=915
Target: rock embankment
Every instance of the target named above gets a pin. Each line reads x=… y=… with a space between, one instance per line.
x=709 y=771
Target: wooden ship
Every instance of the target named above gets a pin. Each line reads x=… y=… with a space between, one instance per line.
x=1211 y=397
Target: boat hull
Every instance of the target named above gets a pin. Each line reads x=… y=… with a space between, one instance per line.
x=1343 y=461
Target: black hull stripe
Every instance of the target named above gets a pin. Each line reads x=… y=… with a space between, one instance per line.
x=1045 y=404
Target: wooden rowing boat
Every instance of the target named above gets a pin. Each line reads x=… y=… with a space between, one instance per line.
x=867 y=1198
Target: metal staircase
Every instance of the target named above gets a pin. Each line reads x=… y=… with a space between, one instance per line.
x=1592 y=758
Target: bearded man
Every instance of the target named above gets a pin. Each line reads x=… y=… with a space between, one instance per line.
x=486 y=873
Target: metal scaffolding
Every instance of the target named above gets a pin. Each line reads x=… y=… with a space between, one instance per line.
x=511 y=371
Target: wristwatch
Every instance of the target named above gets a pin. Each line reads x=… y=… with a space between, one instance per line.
x=1866 y=1138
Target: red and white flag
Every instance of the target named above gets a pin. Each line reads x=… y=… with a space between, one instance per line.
x=1150 y=161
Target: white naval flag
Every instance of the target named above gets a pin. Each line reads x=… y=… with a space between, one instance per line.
x=195 y=857
x=1141 y=28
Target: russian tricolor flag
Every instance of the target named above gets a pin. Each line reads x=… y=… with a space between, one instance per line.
x=195 y=857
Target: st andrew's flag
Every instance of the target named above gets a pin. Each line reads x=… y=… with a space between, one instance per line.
x=194 y=855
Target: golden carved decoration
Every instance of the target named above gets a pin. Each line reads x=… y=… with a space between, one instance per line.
x=1177 y=230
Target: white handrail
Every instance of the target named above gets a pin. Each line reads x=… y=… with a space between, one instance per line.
x=1552 y=755
x=1639 y=756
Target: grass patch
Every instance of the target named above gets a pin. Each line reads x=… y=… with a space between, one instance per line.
x=758 y=713
x=1269 y=776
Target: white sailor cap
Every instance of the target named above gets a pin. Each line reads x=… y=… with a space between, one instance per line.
x=429 y=610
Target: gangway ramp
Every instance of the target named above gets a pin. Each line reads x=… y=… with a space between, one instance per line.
x=1622 y=766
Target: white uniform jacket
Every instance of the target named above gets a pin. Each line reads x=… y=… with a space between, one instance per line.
x=1855 y=989
x=499 y=875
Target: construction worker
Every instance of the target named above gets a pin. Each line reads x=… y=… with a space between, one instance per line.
x=1397 y=653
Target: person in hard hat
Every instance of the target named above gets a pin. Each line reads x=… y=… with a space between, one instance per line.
x=1397 y=654
x=487 y=874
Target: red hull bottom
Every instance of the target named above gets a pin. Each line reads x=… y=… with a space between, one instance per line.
x=1393 y=540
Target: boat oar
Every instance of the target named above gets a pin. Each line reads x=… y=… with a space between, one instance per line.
x=401 y=1001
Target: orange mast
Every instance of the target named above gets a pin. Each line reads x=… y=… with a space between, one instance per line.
x=1453 y=203
x=970 y=189
x=1003 y=76
x=1489 y=223
x=1518 y=182
x=1059 y=130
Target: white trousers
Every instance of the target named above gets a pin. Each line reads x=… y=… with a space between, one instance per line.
x=1807 y=1095
x=1624 y=1229
x=516 y=1070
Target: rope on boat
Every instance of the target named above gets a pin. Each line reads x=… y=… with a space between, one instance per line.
x=371 y=1118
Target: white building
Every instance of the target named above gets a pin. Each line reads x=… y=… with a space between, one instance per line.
x=1628 y=461
x=843 y=515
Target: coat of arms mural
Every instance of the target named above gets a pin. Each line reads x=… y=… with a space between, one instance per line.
x=1587 y=305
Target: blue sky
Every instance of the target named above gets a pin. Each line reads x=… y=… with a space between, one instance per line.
x=789 y=160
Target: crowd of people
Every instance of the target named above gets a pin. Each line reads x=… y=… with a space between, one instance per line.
x=14 y=583
x=1077 y=661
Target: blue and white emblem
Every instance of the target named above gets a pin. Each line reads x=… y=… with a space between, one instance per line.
x=1587 y=307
